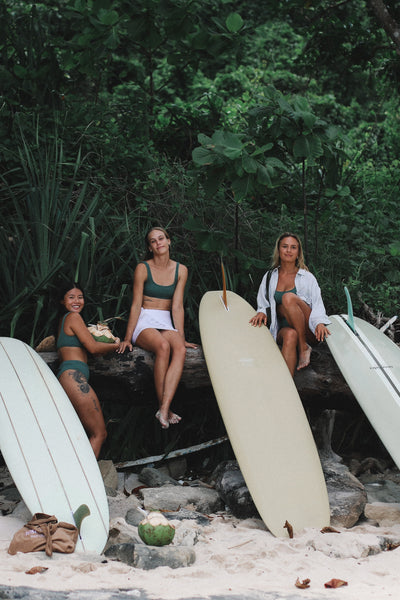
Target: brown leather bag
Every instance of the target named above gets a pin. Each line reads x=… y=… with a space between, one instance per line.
x=44 y=532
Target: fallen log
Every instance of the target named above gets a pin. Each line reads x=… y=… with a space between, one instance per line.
x=321 y=384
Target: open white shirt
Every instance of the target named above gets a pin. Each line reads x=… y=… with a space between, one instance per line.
x=307 y=289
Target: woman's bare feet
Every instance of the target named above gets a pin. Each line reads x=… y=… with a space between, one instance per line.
x=304 y=358
x=173 y=418
x=164 y=423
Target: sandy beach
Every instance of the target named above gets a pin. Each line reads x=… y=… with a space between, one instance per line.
x=233 y=558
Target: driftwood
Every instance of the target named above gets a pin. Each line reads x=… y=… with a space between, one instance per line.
x=321 y=384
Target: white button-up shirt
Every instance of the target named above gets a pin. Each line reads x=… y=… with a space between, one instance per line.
x=307 y=289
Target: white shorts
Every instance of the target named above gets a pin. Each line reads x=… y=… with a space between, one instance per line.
x=151 y=318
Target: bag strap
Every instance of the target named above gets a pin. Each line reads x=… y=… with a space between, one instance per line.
x=269 y=273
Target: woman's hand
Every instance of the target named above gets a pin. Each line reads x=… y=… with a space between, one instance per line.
x=190 y=345
x=123 y=346
x=321 y=332
x=259 y=319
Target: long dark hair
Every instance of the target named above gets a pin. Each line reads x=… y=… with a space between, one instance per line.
x=61 y=291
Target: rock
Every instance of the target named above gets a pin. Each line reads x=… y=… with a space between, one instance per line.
x=146 y=557
x=382 y=491
x=48 y=344
x=177 y=467
x=169 y=497
x=190 y=515
x=109 y=473
x=22 y=512
x=347 y=495
x=121 y=504
x=385 y=514
x=122 y=533
x=134 y=516
x=9 y=499
x=352 y=546
x=231 y=486
x=155 y=477
x=123 y=552
x=131 y=482
x=187 y=533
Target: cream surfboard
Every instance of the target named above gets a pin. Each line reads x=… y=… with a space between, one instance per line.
x=45 y=446
x=370 y=363
x=263 y=416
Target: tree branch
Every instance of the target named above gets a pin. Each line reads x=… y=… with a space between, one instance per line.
x=386 y=21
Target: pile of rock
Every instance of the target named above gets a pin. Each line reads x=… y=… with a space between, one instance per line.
x=191 y=504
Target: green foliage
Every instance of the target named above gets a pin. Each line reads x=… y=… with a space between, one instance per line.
x=223 y=122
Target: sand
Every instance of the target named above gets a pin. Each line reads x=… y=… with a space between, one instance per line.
x=233 y=558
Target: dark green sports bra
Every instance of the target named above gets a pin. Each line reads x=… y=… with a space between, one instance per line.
x=153 y=290
x=278 y=295
x=71 y=341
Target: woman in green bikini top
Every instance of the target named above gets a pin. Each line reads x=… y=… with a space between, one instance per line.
x=73 y=343
x=156 y=319
x=298 y=317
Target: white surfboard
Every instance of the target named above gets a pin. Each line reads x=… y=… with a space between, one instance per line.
x=45 y=446
x=370 y=363
x=263 y=415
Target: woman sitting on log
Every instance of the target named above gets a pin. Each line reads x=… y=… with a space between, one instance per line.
x=73 y=343
x=298 y=317
x=156 y=319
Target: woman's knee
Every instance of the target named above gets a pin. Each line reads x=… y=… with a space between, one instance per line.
x=163 y=349
x=290 y=337
x=290 y=299
x=181 y=351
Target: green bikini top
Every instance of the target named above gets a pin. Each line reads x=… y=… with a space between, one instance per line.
x=278 y=295
x=153 y=290
x=70 y=341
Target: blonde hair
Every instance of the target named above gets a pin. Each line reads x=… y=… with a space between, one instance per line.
x=276 y=261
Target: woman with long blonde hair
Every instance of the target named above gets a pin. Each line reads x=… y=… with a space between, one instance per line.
x=298 y=317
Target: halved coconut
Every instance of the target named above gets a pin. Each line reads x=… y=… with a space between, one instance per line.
x=102 y=333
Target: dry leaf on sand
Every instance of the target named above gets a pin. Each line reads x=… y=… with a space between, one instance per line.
x=35 y=570
x=335 y=583
x=329 y=530
x=289 y=528
x=303 y=584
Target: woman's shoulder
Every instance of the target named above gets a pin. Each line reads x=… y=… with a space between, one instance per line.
x=142 y=268
x=307 y=276
x=182 y=269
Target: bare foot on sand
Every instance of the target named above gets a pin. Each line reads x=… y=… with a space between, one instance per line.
x=163 y=422
x=304 y=358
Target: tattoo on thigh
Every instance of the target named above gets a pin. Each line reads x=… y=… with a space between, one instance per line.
x=81 y=381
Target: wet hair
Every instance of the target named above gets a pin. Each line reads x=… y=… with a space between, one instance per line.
x=149 y=254
x=276 y=261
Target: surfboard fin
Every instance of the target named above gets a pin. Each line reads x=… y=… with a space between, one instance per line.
x=224 y=298
x=350 y=316
x=81 y=513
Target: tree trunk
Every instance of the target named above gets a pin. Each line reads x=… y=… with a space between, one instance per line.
x=386 y=21
x=320 y=385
